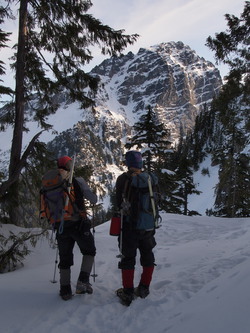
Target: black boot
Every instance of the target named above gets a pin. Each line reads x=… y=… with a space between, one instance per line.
x=66 y=292
x=126 y=295
x=83 y=286
x=142 y=291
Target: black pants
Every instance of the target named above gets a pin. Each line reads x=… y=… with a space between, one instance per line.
x=80 y=234
x=132 y=240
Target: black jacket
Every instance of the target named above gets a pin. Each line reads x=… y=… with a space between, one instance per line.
x=122 y=185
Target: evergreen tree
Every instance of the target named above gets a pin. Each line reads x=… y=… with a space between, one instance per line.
x=233 y=200
x=199 y=139
x=172 y=201
x=232 y=46
x=184 y=166
x=54 y=43
x=233 y=113
x=151 y=137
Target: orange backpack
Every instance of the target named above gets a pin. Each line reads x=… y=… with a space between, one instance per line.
x=53 y=196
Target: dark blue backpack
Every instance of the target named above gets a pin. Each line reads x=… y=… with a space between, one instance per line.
x=144 y=211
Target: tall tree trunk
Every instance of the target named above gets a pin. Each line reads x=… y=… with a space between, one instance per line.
x=16 y=148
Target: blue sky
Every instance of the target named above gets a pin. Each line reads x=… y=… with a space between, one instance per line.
x=189 y=21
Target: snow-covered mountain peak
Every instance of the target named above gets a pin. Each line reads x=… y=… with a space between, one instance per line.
x=170 y=77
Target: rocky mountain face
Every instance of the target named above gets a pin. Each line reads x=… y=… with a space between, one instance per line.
x=170 y=77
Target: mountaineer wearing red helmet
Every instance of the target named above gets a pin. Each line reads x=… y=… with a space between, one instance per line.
x=74 y=229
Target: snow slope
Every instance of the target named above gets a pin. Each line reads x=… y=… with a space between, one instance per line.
x=206 y=185
x=200 y=285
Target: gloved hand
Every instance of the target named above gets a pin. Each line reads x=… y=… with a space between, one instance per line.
x=125 y=206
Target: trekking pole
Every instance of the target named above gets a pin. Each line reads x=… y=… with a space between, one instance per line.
x=56 y=261
x=120 y=255
x=152 y=201
x=127 y=205
x=94 y=275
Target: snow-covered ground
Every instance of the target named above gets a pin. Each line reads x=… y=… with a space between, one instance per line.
x=201 y=284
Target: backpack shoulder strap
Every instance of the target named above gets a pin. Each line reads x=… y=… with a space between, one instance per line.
x=126 y=190
x=127 y=187
x=79 y=197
